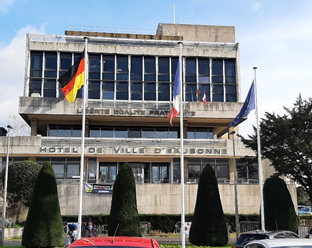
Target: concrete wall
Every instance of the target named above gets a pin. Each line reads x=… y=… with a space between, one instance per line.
x=198 y=32
x=164 y=199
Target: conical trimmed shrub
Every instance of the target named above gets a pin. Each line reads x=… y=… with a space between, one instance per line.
x=44 y=225
x=124 y=217
x=279 y=210
x=208 y=224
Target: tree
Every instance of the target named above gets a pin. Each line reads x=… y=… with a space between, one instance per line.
x=44 y=225
x=20 y=127
x=22 y=176
x=279 y=211
x=208 y=225
x=287 y=142
x=124 y=217
x=302 y=196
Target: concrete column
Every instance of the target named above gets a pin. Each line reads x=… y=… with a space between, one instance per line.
x=87 y=128
x=33 y=131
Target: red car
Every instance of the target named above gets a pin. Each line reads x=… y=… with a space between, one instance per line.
x=118 y=241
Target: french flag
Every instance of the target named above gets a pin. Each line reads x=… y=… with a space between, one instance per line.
x=204 y=98
x=176 y=95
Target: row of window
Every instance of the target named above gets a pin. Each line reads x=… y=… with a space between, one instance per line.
x=130 y=132
x=125 y=77
x=144 y=172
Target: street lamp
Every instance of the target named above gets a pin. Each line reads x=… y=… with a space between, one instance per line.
x=235 y=187
x=6 y=182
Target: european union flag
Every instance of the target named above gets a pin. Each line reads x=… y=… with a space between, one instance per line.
x=249 y=105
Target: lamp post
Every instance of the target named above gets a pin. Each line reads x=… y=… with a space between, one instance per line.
x=235 y=187
x=5 y=182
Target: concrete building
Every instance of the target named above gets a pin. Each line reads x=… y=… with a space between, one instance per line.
x=129 y=97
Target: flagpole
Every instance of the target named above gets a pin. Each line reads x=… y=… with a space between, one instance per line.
x=259 y=156
x=181 y=150
x=85 y=88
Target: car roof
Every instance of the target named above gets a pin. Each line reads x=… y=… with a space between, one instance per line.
x=116 y=241
x=267 y=232
x=282 y=242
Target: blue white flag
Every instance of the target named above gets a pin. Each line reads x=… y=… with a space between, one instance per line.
x=249 y=105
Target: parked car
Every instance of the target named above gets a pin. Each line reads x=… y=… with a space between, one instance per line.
x=246 y=237
x=305 y=210
x=309 y=235
x=118 y=241
x=280 y=243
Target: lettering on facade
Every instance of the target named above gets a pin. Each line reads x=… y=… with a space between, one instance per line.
x=130 y=112
x=135 y=150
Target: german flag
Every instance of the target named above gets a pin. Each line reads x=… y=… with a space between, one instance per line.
x=73 y=79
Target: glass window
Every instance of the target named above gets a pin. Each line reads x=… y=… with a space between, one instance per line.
x=122 y=68
x=134 y=132
x=150 y=91
x=73 y=170
x=94 y=66
x=160 y=172
x=65 y=63
x=50 y=65
x=59 y=170
x=36 y=59
x=108 y=67
x=108 y=171
x=230 y=93
x=163 y=69
x=148 y=132
x=136 y=68
x=217 y=67
x=190 y=70
x=35 y=86
x=64 y=131
x=164 y=91
x=217 y=93
x=174 y=64
x=136 y=91
x=49 y=88
x=122 y=91
x=107 y=132
x=161 y=132
x=150 y=69
x=121 y=132
x=76 y=132
x=94 y=90
x=94 y=131
x=108 y=90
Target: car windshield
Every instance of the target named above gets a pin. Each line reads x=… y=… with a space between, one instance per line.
x=245 y=238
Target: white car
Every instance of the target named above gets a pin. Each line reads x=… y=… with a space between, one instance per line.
x=280 y=243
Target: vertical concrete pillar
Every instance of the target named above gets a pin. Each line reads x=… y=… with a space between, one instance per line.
x=33 y=131
x=87 y=128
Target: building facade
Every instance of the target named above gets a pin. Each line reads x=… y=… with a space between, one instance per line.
x=130 y=82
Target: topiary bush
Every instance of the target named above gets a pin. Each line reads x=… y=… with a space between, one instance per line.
x=208 y=225
x=124 y=217
x=44 y=225
x=279 y=210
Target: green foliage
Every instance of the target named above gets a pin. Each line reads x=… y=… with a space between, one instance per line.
x=22 y=176
x=302 y=196
x=208 y=225
x=124 y=215
x=44 y=225
x=279 y=209
x=287 y=142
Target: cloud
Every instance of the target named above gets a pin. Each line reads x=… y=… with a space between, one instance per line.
x=5 y=5
x=12 y=72
x=280 y=48
x=255 y=6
